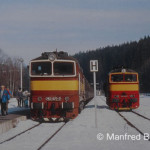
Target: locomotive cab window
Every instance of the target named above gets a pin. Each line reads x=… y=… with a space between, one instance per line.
x=130 y=77
x=63 y=68
x=117 y=77
x=41 y=68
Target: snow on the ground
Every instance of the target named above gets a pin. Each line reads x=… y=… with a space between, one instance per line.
x=81 y=133
x=20 y=127
x=144 y=108
x=32 y=139
x=139 y=122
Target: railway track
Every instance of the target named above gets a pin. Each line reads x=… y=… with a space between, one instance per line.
x=20 y=133
x=140 y=115
x=131 y=124
x=29 y=129
x=49 y=139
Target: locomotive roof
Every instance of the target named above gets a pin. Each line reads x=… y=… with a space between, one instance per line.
x=121 y=70
x=59 y=55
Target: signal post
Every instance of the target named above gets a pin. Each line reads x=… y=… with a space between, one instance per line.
x=94 y=69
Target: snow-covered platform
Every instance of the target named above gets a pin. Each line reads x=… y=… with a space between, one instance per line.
x=16 y=114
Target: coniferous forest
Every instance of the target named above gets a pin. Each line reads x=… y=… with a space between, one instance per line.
x=134 y=55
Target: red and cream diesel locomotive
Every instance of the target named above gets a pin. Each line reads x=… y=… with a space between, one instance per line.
x=123 y=89
x=58 y=87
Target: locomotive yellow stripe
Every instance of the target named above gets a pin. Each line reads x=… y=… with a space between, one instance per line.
x=124 y=87
x=55 y=85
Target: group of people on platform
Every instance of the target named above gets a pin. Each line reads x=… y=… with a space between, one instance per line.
x=6 y=94
x=22 y=97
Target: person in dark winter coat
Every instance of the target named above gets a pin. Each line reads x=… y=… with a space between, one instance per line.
x=20 y=97
x=4 y=98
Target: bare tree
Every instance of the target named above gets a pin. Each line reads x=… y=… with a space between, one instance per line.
x=10 y=72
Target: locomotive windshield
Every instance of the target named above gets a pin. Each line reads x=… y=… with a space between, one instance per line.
x=63 y=68
x=117 y=77
x=130 y=77
x=123 y=77
x=41 y=68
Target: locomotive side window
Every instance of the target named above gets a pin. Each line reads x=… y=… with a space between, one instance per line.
x=130 y=77
x=41 y=68
x=63 y=68
x=117 y=77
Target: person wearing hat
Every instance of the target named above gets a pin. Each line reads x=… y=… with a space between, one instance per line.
x=4 y=97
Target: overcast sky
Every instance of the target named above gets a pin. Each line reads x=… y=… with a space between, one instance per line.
x=29 y=27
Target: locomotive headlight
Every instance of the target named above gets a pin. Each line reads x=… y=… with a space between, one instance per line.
x=39 y=98
x=116 y=96
x=67 y=98
x=51 y=56
x=132 y=95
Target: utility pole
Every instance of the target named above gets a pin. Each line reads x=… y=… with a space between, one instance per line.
x=21 y=63
x=10 y=81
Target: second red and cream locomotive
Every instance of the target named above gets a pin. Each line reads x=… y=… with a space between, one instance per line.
x=123 y=89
